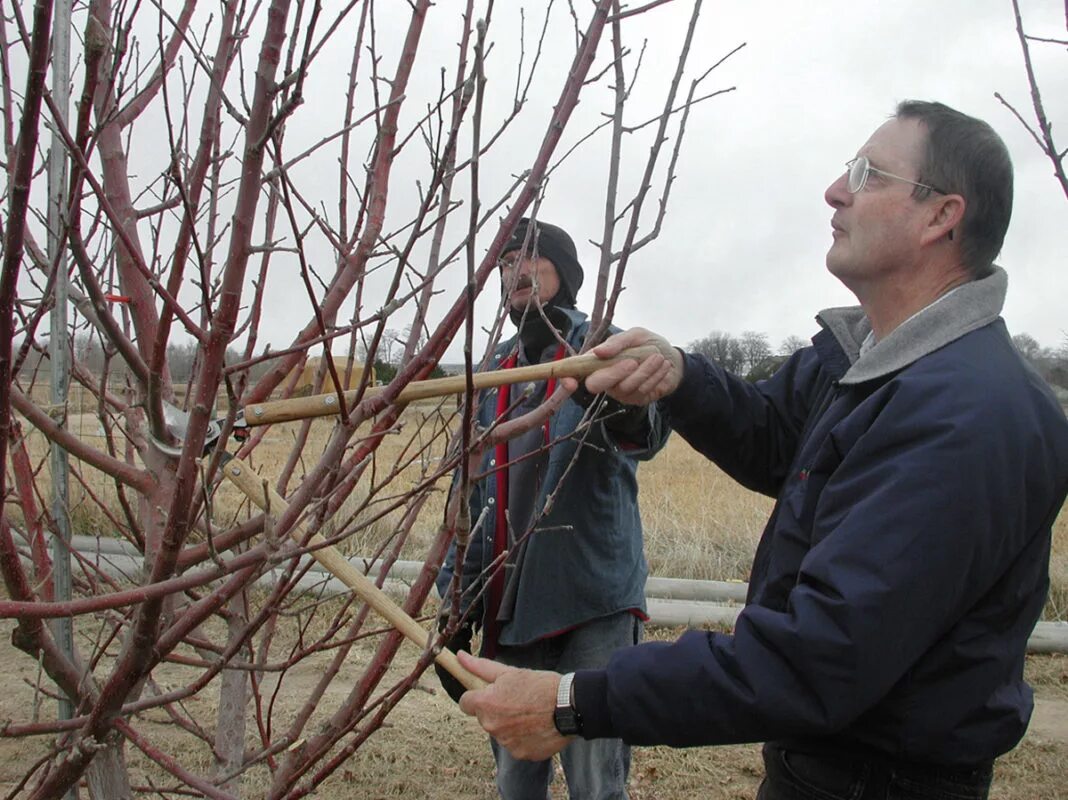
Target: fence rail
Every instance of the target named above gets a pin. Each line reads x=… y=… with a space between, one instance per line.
x=670 y=601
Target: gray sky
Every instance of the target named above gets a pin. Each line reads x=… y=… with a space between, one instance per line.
x=747 y=228
x=744 y=247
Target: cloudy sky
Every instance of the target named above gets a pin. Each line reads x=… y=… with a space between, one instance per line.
x=747 y=229
x=743 y=244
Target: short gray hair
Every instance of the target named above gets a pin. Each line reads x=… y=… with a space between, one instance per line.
x=965 y=156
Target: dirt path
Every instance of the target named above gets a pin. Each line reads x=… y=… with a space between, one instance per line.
x=430 y=750
x=1049 y=723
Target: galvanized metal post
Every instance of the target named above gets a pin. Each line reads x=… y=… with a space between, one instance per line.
x=58 y=347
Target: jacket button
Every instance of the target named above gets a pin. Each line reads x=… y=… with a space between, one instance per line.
x=493 y=462
x=491 y=501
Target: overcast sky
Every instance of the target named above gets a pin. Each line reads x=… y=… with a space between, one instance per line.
x=747 y=229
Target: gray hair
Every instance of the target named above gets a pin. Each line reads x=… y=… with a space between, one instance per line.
x=965 y=156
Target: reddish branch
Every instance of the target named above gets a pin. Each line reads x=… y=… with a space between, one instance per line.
x=353 y=266
x=1044 y=136
x=22 y=471
x=137 y=655
x=126 y=473
x=116 y=182
x=191 y=186
x=168 y=55
x=171 y=764
x=21 y=178
x=32 y=609
x=30 y=634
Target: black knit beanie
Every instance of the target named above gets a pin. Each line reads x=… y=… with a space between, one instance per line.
x=553 y=243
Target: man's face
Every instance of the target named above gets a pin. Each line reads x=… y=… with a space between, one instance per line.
x=523 y=279
x=877 y=230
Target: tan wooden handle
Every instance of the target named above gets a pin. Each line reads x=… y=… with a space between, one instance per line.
x=242 y=476
x=322 y=405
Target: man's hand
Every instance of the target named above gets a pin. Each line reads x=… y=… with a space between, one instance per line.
x=632 y=382
x=516 y=708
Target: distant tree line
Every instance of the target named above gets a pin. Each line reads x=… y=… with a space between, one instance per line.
x=182 y=359
x=749 y=355
x=1050 y=363
x=752 y=356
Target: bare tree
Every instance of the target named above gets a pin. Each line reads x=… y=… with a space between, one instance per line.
x=194 y=190
x=791 y=344
x=1027 y=345
x=755 y=349
x=724 y=349
x=1042 y=129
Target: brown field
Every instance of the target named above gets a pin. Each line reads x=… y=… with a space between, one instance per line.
x=429 y=749
x=698 y=525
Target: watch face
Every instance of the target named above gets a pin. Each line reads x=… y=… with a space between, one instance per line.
x=567 y=722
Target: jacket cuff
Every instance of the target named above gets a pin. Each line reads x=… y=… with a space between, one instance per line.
x=590 y=694
x=681 y=401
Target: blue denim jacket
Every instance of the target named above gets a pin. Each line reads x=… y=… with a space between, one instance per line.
x=586 y=557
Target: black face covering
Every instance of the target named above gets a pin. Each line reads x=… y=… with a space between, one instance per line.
x=535 y=333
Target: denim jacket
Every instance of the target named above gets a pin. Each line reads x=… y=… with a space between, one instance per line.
x=586 y=557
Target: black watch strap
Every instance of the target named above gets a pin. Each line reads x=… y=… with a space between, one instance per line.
x=567 y=720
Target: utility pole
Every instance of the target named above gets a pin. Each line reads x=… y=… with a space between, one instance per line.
x=58 y=350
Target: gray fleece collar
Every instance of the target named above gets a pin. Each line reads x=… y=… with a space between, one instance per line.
x=972 y=306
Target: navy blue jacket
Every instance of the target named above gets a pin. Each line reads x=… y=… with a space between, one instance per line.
x=901 y=572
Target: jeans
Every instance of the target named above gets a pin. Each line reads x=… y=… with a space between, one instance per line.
x=597 y=769
x=795 y=775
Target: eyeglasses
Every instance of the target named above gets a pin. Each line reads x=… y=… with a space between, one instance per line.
x=857 y=176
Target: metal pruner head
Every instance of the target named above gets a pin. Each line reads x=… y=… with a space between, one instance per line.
x=177 y=424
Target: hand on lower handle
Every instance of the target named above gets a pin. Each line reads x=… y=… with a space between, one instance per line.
x=516 y=708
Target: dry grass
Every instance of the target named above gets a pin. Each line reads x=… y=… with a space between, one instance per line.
x=428 y=749
x=698 y=523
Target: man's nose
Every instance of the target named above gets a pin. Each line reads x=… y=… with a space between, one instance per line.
x=838 y=194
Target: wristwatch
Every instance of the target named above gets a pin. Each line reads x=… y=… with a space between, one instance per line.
x=566 y=719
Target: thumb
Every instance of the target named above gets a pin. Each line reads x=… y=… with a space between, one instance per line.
x=617 y=343
x=485 y=669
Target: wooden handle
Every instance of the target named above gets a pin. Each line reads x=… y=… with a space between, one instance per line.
x=242 y=476
x=322 y=405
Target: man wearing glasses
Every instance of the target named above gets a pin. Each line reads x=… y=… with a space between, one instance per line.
x=918 y=465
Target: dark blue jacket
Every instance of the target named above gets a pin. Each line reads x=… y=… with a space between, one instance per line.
x=905 y=562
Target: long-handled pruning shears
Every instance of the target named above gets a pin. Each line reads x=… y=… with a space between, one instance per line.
x=262 y=495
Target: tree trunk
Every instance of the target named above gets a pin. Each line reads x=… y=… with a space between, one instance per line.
x=233 y=708
x=107 y=776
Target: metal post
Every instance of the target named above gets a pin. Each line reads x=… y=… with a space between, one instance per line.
x=58 y=348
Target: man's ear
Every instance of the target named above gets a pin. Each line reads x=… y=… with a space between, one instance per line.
x=946 y=215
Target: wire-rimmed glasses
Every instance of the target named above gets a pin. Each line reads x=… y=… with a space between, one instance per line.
x=857 y=171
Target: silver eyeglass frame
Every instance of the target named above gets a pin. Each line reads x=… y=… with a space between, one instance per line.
x=863 y=166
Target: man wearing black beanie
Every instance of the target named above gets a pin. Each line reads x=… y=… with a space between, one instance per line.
x=559 y=505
